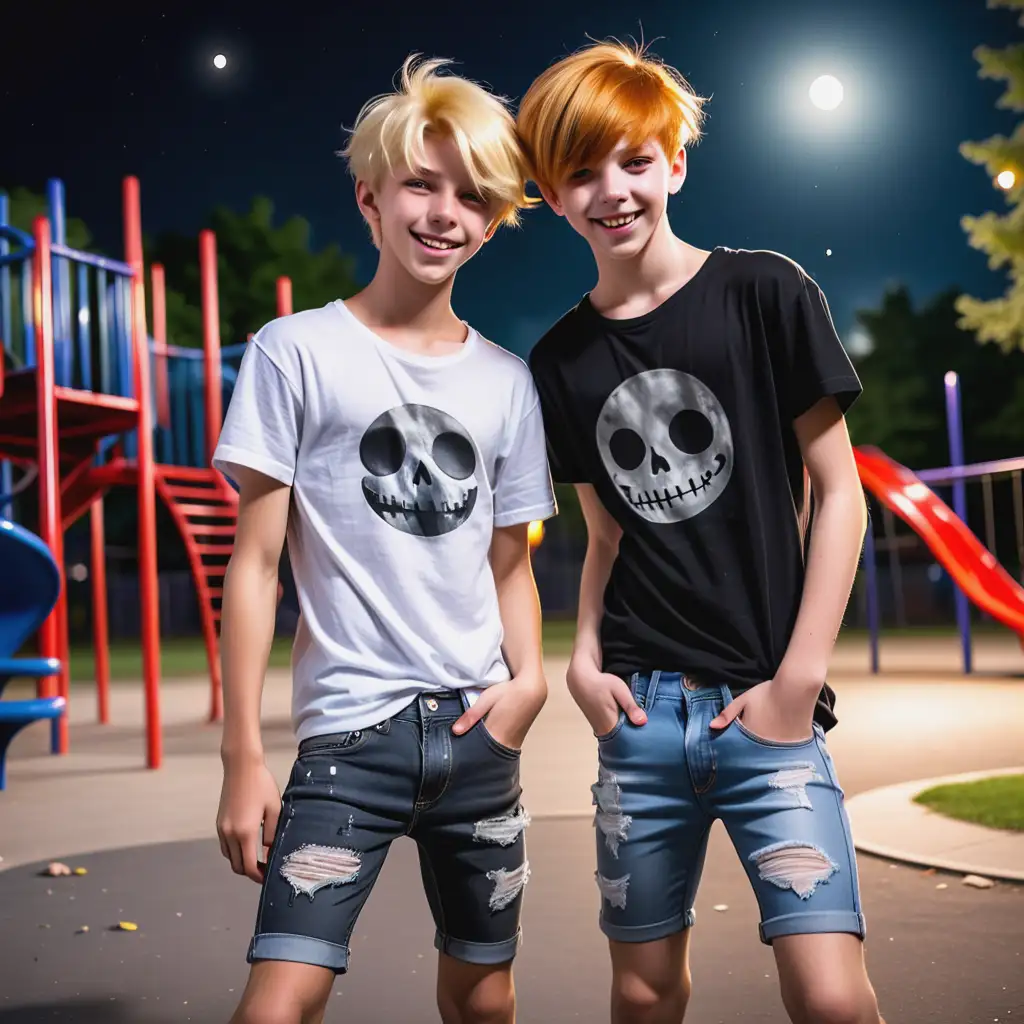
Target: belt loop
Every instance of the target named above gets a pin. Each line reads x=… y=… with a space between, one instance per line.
x=652 y=689
x=726 y=695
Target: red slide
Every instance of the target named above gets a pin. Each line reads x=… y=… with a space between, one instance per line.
x=962 y=555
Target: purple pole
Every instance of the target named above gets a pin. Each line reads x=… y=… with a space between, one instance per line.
x=871 y=579
x=954 y=424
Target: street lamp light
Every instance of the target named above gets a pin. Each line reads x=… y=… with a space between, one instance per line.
x=1006 y=179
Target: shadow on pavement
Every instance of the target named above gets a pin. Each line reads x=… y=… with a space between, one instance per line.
x=81 y=1011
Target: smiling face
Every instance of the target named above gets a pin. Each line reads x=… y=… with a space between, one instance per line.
x=431 y=219
x=619 y=202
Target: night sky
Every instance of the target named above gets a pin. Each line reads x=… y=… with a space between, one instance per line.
x=879 y=181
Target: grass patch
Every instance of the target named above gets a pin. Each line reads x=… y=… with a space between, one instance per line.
x=186 y=656
x=181 y=656
x=997 y=802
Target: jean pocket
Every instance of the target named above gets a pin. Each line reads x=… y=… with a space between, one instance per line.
x=761 y=742
x=498 y=747
x=615 y=729
x=338 y=744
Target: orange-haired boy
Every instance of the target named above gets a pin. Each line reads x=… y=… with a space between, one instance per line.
x=685 y=396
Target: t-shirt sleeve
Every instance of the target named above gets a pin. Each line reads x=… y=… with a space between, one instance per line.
x=563 y=458
x=815 y=363
x=263 y=424
x=523 y=490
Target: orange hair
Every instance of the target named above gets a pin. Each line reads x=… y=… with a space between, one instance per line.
x=579 y=109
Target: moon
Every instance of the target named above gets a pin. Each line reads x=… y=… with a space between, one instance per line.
x=220 y=61
x=826 y=92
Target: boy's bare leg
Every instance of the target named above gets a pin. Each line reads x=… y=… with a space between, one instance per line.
x=282 y=992
x=475 y=993
x=824 y=980
x=651 y=980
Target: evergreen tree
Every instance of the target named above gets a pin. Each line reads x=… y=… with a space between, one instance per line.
x=1001 y=236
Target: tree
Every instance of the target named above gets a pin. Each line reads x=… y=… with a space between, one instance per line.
x=902 y=409
x=251 y=254
x=1001 y=236
x=25 y=205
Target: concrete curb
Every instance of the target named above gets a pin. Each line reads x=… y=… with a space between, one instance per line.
x=887 y=823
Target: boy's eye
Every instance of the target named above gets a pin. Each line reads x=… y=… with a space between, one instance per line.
x=472 y=197
x=416 y=183
x=639 y=162
x=580 y=174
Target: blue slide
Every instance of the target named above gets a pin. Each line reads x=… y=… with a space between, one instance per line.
x=29 y=587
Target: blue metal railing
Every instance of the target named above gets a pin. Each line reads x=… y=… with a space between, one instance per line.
x=93 y=339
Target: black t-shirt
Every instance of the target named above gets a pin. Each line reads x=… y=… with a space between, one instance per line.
x=682 y=419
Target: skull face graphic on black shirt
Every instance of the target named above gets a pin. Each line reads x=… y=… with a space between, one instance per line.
x=666 y=443
x=422 y=470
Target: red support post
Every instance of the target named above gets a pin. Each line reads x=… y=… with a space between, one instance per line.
x=51 y=528
x=284 y=296
x=211 y=339
x=148 y=588
x=163 y=394
x=100 y=634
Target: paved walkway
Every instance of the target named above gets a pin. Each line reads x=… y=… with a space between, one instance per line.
x=895 y=730
x=887 y=823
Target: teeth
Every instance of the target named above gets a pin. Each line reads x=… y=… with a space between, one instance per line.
x=617 y=222
x=435 y=243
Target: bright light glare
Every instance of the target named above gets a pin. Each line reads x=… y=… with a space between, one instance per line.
x=1006 y=179
x=826 y=92
x=535 y=533
x=220 y=61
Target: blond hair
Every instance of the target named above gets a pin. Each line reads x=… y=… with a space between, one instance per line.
x=579 y=109
x=391 y=128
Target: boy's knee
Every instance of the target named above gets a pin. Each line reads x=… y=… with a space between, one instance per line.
x=639 y=996
x=282 y=993
x=836 y=1004
x=491 y=1001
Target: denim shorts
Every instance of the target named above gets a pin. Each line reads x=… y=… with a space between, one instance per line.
x=662 y=784
x=351 y=794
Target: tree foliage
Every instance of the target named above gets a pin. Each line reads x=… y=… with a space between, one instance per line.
x=1000 y=235
x=252 y=252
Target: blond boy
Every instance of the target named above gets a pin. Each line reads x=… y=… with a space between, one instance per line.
x=686 y=396
x=402 y=455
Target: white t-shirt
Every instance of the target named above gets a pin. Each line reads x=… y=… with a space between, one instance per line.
x=400 y=467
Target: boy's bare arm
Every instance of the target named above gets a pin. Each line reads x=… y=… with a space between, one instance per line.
x=512 y=707
x=837 y=533
x=250 y=799
x=603 y=535
x=599 y=694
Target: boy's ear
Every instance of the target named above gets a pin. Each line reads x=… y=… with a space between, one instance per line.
x=677 y=172
x=551 y=199
x=367 y=203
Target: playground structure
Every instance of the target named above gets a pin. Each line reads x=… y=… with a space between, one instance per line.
x=76 y=412
x=90 y=399
x=978 y=576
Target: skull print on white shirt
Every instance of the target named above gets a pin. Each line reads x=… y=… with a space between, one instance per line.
x=666 y=443
x=422 y=470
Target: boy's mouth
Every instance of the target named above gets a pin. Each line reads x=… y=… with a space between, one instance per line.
x=622 y=220
x=435 y=243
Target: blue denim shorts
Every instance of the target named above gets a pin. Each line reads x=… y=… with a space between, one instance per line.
x=661 y=785
x=350 y=795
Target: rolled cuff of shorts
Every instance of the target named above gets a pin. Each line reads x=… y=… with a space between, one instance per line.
x=649 y=932
x=479 y=952
x=300 y=949
x=813 y=923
